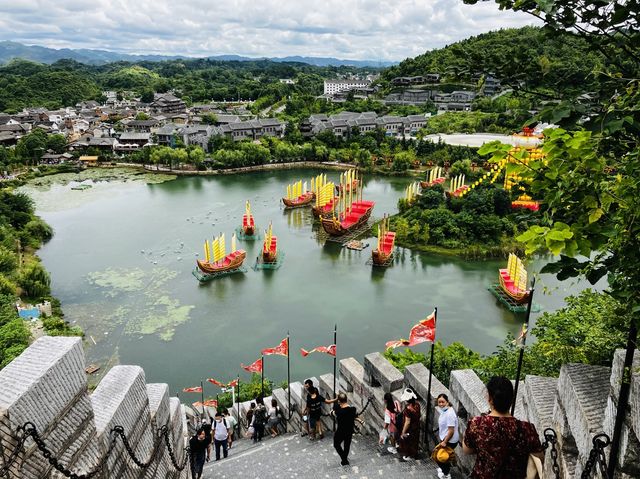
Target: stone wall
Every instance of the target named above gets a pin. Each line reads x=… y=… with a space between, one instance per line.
x=578 y=405
x=47 y=386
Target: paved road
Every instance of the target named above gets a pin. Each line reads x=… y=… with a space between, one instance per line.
x=479 y=139
x=292 y=456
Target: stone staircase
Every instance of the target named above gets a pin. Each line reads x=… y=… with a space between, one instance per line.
x=292 y=456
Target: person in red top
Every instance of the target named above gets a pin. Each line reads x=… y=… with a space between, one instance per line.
x=501 y=443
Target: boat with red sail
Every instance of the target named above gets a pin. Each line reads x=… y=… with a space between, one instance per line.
x=434 y=177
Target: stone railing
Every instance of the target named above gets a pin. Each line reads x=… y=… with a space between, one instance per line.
x=47 y=386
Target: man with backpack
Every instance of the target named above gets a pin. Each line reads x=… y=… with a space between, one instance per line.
x=259 y=419
x=220 y=431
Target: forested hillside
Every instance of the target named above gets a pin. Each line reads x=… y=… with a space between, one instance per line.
x=65 y=82
x=527 y=59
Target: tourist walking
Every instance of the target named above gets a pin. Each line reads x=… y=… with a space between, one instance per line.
x=410 y=434
x=314 y=411
x=345 y=418
x=200 y=450
x=308 y=385
x=259 y=419
x=220 y=430
x=232 y=423
x=249 y=416
x=392 y=421
x=501 y=443
x=274 y=418
x=447 y=433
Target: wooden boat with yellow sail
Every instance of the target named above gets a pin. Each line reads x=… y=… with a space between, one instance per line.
x=383 y=253
x=513 y=279
x=298 y=195
x=216 y=258
x=435 y=176
x=351 y=185
x=350 y=212
x=248 y=224
x=325 y=197
x=270 y=246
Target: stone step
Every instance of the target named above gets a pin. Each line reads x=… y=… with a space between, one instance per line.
x=292 y=456
x=583 y=391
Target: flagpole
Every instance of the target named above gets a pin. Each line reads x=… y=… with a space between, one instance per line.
x=524 y=339
x=239 y=426
x=335 y=358
x=288 y=380
x=202 y=395
x=428 y=398
x=262 y=376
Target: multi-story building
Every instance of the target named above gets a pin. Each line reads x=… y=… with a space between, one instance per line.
x=334 y=86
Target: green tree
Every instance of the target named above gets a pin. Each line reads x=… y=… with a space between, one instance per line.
x=34 y=280
x=142 y=116
x=57 y=143
x=32 y=146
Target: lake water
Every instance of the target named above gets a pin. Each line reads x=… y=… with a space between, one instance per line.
x=123 y=252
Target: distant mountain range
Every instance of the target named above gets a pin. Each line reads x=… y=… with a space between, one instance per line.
x=10 y=50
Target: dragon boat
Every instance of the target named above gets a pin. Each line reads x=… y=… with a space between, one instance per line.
x=217 y=260
x=513 y=279
x=383 y=253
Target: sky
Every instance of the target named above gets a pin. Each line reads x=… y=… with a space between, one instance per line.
x=351 y=29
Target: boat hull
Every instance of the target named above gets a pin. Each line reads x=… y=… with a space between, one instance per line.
x=518 y=295
x=230 y=262
x=249 y=230
x=380 y=258
x=303 y=200
x=334 y=227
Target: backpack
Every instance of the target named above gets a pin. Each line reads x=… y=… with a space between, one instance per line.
x=260 y=416
x=215 y=426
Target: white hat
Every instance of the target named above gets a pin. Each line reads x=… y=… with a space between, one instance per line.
x=408 y=394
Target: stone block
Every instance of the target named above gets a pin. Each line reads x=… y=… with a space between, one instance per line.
x=634 y=395
x=378 y=371
x=46 y=385
x=416 y=376
x=326 y=386
x=468 y=392
x=539 y=398
x=583 y=391
x=121 y=400
x=351 y=372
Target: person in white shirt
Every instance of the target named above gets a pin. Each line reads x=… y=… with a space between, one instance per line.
x=231 y=423
x=220 y=431
x=447 y=432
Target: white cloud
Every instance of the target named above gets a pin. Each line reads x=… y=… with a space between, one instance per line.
x=354 y=29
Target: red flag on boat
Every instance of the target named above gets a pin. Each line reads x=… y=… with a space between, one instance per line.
x=282 y=349
x=217 y=383
x=197 y=389
x=256 y=367
x=330 y=350
x=233 y=384
x=422 y=332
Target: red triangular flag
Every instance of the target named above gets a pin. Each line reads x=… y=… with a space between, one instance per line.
x=217 y=383
x=330 y=350
x=282 y=349
x=233 y=384
x=256 y=367
x=197 y=389
x=424 y=331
